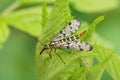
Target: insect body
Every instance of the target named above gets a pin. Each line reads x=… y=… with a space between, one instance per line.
x=62 y=39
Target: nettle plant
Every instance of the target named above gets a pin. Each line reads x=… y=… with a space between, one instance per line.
x=78 y=65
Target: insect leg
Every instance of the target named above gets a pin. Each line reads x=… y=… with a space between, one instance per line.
x=55 y=50
x=50 y=53
x=59 y=57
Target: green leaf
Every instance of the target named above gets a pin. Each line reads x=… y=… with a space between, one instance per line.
x=91 y=6
x=4 y=33
x=54 y=69
x=27 y=20
x=78 y=65
x=93 y=73
x=96 y=72
x=56 y=20
x=113 y=65
x=92 y=27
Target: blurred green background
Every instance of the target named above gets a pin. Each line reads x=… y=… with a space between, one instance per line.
x=17 y=55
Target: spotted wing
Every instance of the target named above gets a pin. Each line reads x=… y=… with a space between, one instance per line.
x=78 y=45
x=69 y=29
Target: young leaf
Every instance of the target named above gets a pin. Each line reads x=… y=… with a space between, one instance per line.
x=93 y=73
x=114 y=61
x=56 y=19
x=52 y=69
x=92 y=27
x=96 y=72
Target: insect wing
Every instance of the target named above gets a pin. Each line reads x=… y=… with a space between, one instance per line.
x=78 y=45
x=69 y=29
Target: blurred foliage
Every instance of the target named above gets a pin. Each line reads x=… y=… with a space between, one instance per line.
x=18 y=59
x=4 y=32
x=91 y=6
x=21 y=19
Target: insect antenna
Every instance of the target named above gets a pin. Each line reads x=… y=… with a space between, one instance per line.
x=42 y=45
x=42 y=50
x=40 y=42
x=36 y=39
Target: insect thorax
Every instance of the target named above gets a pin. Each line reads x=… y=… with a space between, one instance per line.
x=53 y=44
